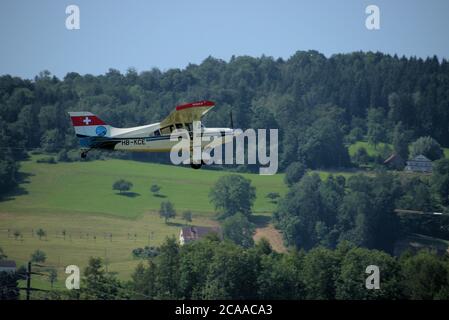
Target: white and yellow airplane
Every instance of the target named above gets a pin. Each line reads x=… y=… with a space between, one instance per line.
x=93 y=133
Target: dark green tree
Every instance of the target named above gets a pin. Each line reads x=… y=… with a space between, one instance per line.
x=41 y=233
x=122 y=185
x=238 y=229
x=155 y=189
x=376 y=126
x=9 y=289
x=294 y=172
x=440 y=180
x=231 y=194
x=425 y=276
x=187 y=216
x=38 y=256
x=400 y=141
x=428 y=147
x=97 y=284
x=167 y=211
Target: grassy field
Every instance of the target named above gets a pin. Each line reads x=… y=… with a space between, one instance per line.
x=86 y=187
x=78 y=198
x=369 y=148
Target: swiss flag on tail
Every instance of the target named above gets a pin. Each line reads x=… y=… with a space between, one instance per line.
x=80 y=119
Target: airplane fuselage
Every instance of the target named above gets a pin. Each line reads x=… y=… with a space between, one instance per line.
x=147 y=138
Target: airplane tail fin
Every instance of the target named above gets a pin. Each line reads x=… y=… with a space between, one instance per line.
x=88 y=125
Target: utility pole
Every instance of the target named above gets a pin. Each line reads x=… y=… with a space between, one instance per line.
x=28 y=289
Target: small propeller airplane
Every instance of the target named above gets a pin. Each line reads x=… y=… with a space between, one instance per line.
x=94 y=133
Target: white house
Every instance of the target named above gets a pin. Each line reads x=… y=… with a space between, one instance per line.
x=189 y=234
x=419 y=164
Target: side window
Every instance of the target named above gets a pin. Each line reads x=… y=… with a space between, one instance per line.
x=179 y=126
x=188 y=126
x=167 y=130
x=157 y=133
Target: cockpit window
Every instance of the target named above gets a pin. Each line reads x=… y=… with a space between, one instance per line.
x=167 y=130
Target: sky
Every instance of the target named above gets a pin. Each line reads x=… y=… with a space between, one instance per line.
x=144 y=34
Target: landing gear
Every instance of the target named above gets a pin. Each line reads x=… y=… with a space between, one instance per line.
x=84 y=154
x=196 y=166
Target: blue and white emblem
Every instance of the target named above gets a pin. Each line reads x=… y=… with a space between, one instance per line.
x=101 y=131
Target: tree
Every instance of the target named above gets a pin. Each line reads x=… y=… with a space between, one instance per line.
x=376 y=126
x=416 y=196
x=97 y=284
x=167 y=274
x=279 y=277
x=400 y=141
x=143 y=281
x=366 y=214
x=232 y=274
x=41 y=233
x=428 y=147
x=167 y=211
x=307 y=215
x=187 y=216
x=238 y=229
x=319 y=273
x=322 y=145
x=155 y=189
x=350 y=281
x=38 y=256
x=440 y=180
x=17 y=234
x=122 y=185
x=294 y=172
x=231 y=194
x=52 y=276
x=425 y=276
x=9 y=289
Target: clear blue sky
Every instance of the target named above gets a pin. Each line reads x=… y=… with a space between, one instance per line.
x=173 y=33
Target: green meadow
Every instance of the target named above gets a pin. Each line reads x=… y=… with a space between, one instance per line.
x=77 y=197
x=86 y=187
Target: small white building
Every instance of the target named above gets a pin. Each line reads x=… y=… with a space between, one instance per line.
x=7 y=266
x=189 y=234
x=419 y=164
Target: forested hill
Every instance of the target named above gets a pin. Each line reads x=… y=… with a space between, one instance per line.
x=318 y=103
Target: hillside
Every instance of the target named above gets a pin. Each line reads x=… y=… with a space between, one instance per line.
x=77 y=197
x=86 y=188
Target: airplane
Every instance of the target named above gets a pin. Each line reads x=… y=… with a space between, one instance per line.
x=94 y=133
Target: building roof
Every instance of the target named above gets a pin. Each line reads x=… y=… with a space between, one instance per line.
x=7 y=264
x=194 y=233
x=390 y=158
x=421 y=158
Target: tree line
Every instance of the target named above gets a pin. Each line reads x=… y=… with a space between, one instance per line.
x=214 y=269
x=361 y=208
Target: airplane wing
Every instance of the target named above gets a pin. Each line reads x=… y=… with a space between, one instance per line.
x=187 y=113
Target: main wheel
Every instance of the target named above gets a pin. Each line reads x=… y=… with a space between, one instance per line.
x=196 y=166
